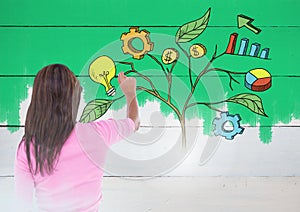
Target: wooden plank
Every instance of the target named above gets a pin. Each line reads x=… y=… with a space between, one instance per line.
x=134 y=12
x=34 y=34
x=246 y=155
x=27 y=50
x=191 y=194
x=282 y=94
x=201 y=194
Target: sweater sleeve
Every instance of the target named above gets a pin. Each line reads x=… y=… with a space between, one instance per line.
x=114 y=130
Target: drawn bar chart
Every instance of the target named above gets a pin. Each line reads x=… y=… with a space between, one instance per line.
x=254 y=49
x=232 y=43
x=243 y=48
x=265 y=53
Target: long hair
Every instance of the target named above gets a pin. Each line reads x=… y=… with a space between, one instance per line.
x=51 y=116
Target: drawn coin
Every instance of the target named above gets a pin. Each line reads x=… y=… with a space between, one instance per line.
x=169 y=56
x=197 y=50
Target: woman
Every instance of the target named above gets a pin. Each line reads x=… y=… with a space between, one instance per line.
x=58 y=159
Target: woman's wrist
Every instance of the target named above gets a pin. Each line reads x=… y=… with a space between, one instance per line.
x=130 y=96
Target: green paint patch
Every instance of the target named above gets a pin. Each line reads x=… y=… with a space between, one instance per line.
x=37 y=47
x=13 y=92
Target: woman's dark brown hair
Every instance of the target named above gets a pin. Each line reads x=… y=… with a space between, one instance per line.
x=51 y=116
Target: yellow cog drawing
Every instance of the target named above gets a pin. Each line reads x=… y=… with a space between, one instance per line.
x=134 y=33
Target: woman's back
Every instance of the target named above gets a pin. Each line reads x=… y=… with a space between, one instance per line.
x=61 y=159
x=75 y=184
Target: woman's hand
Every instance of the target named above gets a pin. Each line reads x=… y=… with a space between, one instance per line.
x=128 y=85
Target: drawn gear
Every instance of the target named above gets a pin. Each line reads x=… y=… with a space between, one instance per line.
x=220 y=125
x=134 y=33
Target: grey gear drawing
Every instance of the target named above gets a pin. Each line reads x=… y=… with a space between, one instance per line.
x=220 y=125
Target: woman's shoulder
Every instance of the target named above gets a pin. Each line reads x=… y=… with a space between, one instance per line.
x=110 y=130
x=106 y=125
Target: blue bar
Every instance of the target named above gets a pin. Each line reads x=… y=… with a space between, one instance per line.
x=254 y=49
x=243 y=46
x=265 y=53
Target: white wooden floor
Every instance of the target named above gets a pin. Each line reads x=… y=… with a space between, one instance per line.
x=190 y=194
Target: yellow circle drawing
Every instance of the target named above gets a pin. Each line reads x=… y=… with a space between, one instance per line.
x=128 y=38
x=197 y=50
x=169 y=56
x=102 y=70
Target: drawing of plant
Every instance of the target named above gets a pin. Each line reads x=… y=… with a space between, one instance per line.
x=186 y=33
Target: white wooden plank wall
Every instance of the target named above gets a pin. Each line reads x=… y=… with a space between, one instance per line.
x=242 y=175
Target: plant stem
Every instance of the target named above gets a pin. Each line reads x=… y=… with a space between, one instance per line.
x=229 y=73
x=220 y=55
x=154 y=92
x=175 y=109
x=225 y=71
x=215 y=109
x=183 y=132
x=158 y=62
x=116 y=99
x=190 y=71
x=167 y=73
x=127 y=63
x=207 y=104
x=204 y=71
x=141 y=75
x=173 y=66
x=169 y=86
x=182 y=49
x=170 y=78
x=145 y=78
x=189 y=63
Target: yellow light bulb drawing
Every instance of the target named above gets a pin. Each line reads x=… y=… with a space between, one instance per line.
x=102 y=70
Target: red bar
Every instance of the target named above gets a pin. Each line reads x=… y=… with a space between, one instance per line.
x=232 y=43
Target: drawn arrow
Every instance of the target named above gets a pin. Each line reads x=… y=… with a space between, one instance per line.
x=246 y=21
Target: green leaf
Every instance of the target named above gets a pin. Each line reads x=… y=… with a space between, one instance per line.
x=95 y=109
x=193 y=29
x=251 y=101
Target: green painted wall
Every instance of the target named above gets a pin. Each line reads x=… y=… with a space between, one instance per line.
x=36 y=33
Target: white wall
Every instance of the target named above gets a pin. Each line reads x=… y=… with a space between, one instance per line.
x=215 y=176
x=155 y=149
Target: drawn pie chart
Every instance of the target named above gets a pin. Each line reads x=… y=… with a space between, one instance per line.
x=258 y=80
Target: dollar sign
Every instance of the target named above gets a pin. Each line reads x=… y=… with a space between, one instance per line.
x=168 y=57
x=196 y=53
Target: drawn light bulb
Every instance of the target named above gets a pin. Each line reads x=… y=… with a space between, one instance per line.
x=102 y=70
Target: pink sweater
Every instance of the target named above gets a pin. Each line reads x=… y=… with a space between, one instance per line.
x=76 y=182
